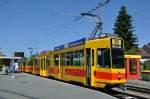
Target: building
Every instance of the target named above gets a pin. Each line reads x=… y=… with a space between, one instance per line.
x=132 y=63
x=145 y=52
x=9 y=61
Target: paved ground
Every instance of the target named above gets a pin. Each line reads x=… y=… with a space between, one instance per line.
x=140 y=83
x=26 y=86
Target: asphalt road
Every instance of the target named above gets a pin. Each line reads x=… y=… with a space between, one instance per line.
x=26 y=86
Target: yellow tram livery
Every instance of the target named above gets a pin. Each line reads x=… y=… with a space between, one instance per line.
x=96 y=63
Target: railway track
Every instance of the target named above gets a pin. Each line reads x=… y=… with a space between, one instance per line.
x=134 y=92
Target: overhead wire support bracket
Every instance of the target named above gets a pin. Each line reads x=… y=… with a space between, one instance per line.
x=89 y=14
x=99 y=22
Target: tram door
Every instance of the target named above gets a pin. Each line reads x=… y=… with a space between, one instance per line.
x=62 y=63
x=41 y=66
x=88 y=66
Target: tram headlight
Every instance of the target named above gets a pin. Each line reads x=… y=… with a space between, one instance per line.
x=119 y=76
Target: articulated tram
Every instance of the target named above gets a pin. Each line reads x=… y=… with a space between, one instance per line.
x=96 y=63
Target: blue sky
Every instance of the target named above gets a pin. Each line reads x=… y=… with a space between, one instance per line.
x=33 y=23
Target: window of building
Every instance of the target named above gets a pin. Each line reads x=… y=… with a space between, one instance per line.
x=133 y=66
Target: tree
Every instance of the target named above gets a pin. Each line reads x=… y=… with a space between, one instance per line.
x=123 y=27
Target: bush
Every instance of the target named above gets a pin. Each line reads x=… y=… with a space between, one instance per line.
x=146 y=65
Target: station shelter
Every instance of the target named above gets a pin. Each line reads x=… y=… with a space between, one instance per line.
x=9 y=61
x=133 y=69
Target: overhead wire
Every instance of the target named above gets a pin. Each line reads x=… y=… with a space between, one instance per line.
x=101 y=4
x=76 y=17
x=90 y=11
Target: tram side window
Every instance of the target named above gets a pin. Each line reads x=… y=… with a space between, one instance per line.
x=41 y=63
x=24 y=63
x=103 y=58
x=56 y=60
x=35 y=62
x=67 y=59
x=52 y=60
x=75 y=58
x=30 y=63
x=71 y=58
x=81 y=57
x=78 y=58
x=48 y=62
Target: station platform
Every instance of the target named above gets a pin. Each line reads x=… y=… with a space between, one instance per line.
x=139 y=83
x=27 y=86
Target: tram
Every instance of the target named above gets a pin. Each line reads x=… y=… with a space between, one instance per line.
x=35 y=65
x=96 y=63
x=22 y=65
x=44 y=63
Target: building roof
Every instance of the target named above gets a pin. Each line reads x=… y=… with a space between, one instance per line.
x=132 y=56
x=145 y=51
x=3 y=57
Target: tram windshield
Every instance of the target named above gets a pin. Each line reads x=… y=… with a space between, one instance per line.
x=118 y=58
x=103 y=58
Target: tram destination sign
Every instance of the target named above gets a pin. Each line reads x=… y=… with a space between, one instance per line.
x=77 y=42
x=71 y=44
x=116 y=43
x=59 y=47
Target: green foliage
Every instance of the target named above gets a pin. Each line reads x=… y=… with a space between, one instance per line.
x=131 y=51
x=146 y=65
x=123 y=27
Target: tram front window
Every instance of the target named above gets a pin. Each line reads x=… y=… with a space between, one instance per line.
x=103 y=58
x=118 y=58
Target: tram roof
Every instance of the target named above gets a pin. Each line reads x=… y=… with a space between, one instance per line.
x=71 y=44
x=82 y=41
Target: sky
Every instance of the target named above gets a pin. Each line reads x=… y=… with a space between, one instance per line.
x=44 y=24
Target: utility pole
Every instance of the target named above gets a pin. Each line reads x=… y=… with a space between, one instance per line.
x=0 y=52
x=101 y=5
x=31 y=51
x=98 y=30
